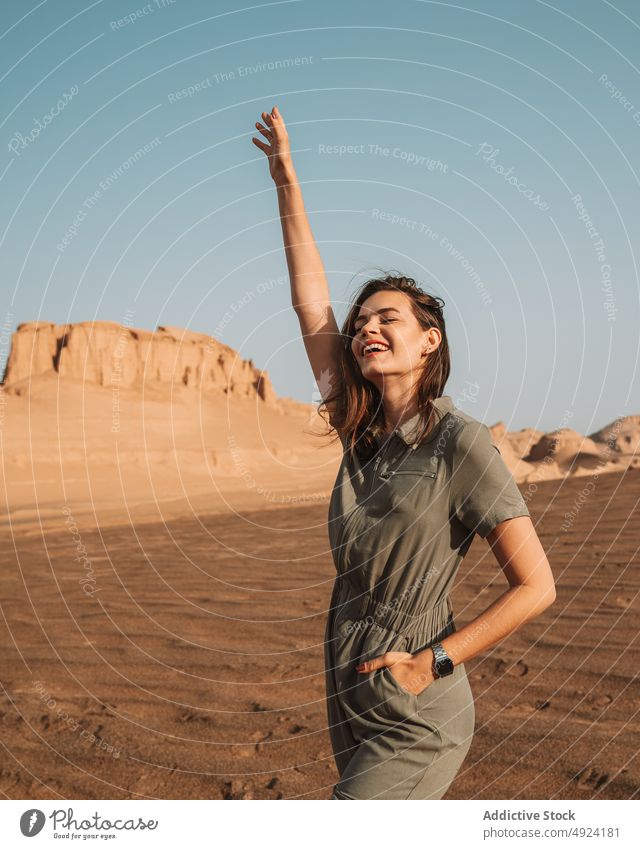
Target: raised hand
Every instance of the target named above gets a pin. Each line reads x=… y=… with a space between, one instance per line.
x=277 y=149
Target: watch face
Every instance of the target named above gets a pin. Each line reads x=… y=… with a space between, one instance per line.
x=445 y=666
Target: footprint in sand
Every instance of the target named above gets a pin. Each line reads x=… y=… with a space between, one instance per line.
x=193 y=716
x=516 y=670
x=625 y=601
x=236 y=790
x=477 y=676
x=243 y=751
x=283 y=674
x=602 y=701
x=257 y=736
x=591 y=778
x=520 y=708
x=273 y=784
x=523 y=708
x=8 y=780
x=260 y=738
x=91 y=707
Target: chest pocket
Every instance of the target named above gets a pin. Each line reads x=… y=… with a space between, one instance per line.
x=410 y=484
x=414 y=464
x=421 y=472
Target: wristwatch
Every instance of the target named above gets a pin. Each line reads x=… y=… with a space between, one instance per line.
x=442 y=663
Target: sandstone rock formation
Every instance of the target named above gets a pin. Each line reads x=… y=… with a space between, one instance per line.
x=621 y=436
x=109 y=354
x=532 y=455
x=512 y=458
x=562 y=445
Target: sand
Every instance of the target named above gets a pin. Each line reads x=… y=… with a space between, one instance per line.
x=186 y=661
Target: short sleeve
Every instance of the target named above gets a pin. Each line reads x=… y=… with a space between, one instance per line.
x=483 y=490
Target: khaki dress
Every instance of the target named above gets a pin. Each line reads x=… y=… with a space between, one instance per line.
x=399 y=527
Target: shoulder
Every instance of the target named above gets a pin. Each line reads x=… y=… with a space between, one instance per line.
x=469 y=428
x=467 y=443
x=460 y=431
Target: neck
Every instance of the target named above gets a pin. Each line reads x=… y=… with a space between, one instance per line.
x=394 y=417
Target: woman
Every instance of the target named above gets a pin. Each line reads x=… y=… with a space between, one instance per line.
x=418 y=479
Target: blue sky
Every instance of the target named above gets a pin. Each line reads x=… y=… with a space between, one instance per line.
x=488 y=149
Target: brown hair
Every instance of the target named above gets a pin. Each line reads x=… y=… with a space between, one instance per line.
x=357 y=404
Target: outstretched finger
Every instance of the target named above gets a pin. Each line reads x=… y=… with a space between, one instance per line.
x=264 y=130
x=265 y=147
x=276 y=121
x=266 y=117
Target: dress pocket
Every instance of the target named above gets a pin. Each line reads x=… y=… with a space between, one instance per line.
x=399 y=702
x=443 y=691
x=394 y=681
x=378 y=697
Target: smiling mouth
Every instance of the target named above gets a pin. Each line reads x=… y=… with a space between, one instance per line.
x=376 y=348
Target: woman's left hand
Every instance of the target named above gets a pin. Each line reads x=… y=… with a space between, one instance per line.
x=410 y=671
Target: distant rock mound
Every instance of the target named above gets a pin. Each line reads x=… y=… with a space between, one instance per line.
x=522 y=441
x=562 y=445
x=109 y=354
x=621 y=436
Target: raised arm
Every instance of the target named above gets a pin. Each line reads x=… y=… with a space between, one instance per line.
x=310 y=296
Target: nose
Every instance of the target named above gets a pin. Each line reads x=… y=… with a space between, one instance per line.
x=364 y=327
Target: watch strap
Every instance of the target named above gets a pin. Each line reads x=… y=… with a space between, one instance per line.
x=442 y=663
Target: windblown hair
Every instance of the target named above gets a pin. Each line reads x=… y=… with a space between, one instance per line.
x=355 y=403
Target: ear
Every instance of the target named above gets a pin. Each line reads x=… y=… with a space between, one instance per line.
x=432 y=338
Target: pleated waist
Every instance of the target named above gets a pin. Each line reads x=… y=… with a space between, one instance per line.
x=419 y=626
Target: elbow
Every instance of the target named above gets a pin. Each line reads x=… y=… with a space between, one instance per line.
x=546 y=597
x=539 y=598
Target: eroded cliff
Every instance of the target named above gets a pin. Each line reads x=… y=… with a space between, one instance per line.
x=109 y=354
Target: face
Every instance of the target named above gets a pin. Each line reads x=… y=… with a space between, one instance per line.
x=387 y=317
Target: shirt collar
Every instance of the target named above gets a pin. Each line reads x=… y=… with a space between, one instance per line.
x=407 y=431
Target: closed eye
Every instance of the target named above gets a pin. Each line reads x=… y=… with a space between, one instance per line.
x=357 y=328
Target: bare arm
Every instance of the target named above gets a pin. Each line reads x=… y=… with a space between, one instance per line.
x=522 y=558
x=310 y=295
